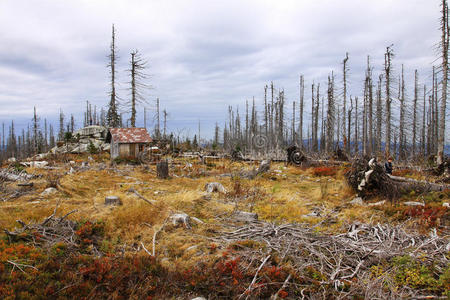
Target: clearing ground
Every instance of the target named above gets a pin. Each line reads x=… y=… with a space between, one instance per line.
x=310 y=239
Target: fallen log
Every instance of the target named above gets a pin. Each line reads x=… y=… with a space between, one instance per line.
x=12 y=176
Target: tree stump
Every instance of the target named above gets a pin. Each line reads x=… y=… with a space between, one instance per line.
x=112 y=200
x=162 y=169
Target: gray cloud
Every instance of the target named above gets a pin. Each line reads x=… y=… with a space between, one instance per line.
x=203 y=55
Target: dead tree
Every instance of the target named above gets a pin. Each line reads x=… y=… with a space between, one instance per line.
x=61 y=126
x=444 y=47
x=388 y=73
x=330 y=115
x=422 y=143
x=402 y=151
x=112 y=117
x=300 y=126
x=345 y=70
x=356 y=127
x=138 y=76
x=379 y=114
x=35 y=131
x=414 y=124
x=349 y=127
x=162 y=169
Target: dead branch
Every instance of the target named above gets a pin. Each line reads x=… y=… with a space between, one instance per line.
x=132 y=190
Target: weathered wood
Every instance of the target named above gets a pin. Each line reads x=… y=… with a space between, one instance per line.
x=162 y=169
x=112 y=200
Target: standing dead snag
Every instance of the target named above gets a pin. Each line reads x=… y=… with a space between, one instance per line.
x=162 y=169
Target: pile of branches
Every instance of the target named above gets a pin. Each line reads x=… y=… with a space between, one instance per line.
x=369 y=178
x=51 y=231
x=342 y=259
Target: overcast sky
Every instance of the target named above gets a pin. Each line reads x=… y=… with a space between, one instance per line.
x=202 y=55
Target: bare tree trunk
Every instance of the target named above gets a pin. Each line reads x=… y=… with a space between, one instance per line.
x=266 y=119
x=272 y=133
x=165 y=125
x=316 y=118
x=346 y=139
x=364 y=121
x=330 y=115
x=370 y=91
x=422 y=143
x=444 y=45
x=387 y=67
x=293 y=124
x=112 y=117
x=356 y=126
x=133 y=90
x=312 y=117
x=246 y=125
x=414 y=125
x=302 y=94
x=402 y=118
x=349 y=123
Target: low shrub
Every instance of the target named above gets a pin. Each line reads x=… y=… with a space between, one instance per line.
x=430 y=216
x=324 y=171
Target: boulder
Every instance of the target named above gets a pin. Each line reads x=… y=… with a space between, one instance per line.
x=93 y=130
x=12 y=160
x=181 y=219
x=49 y=191
x=357 y=201
x=215 y=187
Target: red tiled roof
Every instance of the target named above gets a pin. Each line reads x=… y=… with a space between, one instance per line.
x=130 y=135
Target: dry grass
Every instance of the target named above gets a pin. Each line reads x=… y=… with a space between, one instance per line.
x=285 y=194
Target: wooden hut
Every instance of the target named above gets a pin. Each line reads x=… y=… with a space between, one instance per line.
x=127 y=142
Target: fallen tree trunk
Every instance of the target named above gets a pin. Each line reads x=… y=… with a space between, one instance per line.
x=296 y=157
x=368 y=178
x=11 y=176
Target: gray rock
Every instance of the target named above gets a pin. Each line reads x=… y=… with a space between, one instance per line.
x=215 y=187
x=91 y=131
x=12 y=159
x=357 y=201
x=181 y=219
x=113 y=200
x=49 y=191
x=199 y=298
x=445 y=204
x=245 y=216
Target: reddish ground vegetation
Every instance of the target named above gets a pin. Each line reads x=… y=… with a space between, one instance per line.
x=324 y=171
x=429 y=216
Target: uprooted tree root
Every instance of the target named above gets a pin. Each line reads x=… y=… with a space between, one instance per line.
x=368 y=178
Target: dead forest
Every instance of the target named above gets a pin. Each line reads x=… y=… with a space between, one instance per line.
x=289 y=199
